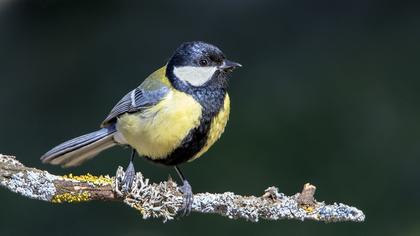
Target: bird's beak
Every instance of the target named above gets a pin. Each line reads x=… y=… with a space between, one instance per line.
x=229 y=65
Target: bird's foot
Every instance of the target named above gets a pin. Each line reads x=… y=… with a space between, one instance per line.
x=188 y=198
x=129 y=176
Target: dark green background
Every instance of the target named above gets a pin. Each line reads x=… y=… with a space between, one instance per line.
x=329 y=94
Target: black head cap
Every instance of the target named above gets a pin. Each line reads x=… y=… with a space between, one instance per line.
x=197 y=53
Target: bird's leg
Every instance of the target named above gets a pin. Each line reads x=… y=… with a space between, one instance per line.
x=187 y=192
x=130 y=173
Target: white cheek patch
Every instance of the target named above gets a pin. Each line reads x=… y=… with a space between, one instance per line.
x=196 y=76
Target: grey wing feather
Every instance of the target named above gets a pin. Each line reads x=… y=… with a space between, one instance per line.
x=136 y=100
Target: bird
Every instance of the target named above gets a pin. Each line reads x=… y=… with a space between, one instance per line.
x=174 y=116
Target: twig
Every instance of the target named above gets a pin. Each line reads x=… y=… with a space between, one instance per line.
x=163 y=200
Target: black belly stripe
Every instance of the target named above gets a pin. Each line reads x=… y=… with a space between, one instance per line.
x=192 y=144
x=211 y=98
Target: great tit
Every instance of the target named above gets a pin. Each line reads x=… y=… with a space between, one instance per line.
x=174 y=116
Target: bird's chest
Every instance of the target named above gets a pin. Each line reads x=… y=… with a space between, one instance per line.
x=212 y=124
x=157 y=131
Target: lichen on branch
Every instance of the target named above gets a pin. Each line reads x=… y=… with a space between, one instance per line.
x=164 y=200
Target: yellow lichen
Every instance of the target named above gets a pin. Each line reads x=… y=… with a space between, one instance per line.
x=71 y=197
x=88 y=178
x=139 y=208
x=308 y=208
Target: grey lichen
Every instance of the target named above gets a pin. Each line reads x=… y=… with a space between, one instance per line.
x=163 y=200
x=340 y=212
x=28 y=182
x=272 y=206
x=36 y=185
x=9 y=161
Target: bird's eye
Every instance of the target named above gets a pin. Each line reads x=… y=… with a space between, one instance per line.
x=203 y=62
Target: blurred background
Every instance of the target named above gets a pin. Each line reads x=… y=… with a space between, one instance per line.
x=329 y=94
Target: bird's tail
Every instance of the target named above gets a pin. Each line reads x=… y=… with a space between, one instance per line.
x=78 y=150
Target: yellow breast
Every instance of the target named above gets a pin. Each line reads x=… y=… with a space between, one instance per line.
x=157 y=131
x=217 y=127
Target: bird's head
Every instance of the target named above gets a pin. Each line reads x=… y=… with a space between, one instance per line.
x=197 y=63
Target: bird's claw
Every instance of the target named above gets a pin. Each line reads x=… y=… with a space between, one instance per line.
x=188 y=198
x=128 y=180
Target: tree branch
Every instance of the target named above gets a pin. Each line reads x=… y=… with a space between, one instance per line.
x=163 y=200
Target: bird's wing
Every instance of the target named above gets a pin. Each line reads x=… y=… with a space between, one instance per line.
x=149 y=93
